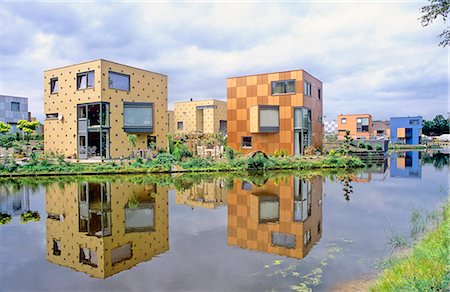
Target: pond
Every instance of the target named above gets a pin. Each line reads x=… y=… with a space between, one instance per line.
x=215 y=232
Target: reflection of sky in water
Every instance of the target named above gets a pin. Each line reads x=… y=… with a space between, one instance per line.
x=354 y=236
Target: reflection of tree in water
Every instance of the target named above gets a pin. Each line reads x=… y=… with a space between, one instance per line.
x=438 y=160
x=348 y=188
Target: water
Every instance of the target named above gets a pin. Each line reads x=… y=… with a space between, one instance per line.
x=247 y=232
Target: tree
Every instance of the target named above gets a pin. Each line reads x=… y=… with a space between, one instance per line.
x=132 y=138
x=4 y=128
x=432 y=11
x=347 y=142
x=436 y=127
x=27 y=127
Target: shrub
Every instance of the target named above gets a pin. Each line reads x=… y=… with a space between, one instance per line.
x=332 y=152
x=229 y=153
x=196 y=162
x=368 y=146
x=164 y=159
x=282 y=153
x=5 y=218
x=275 y=153
x=361 y=144
x=181 y=151
x=258 y=161
x=378 y=147
x=28 y=216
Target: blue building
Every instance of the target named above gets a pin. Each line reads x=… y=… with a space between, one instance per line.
x=406 y=164
x=406 y=130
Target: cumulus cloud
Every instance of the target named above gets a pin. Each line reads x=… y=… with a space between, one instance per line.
x=372 y=57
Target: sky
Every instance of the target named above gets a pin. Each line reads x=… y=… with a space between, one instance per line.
x=372 y=57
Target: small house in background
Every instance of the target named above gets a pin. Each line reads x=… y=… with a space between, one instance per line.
x=381 y=129
x=406 y=130
x=201 y=116
x=359 y=125
x=13 y=109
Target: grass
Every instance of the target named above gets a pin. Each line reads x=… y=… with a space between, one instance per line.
x=427 y=268
x=166 y=163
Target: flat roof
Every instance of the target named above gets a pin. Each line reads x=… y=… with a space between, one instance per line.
x=285 y=71
x=104 y=61
x=213 y=99
x=408 y=117
x=354 y=115
x=14 y=96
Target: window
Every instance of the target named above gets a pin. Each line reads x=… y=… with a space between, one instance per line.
x=284 y=240
x=344 y=120
x=362 y=124
x=307 y=237
x=121 y=253
x=247 y=142
x=88 y=256
x=283 y=87
x=54 y=87
x=246 y=186
x=269 y=119
x=201 y=107
x=180 y=125
x=15 y=106
x=56 y=247
x=319 y=93
x=307 y=88
x=119 y=81
x=269 y=208
x=413 y=122
x=138 y=117
x=223 y=127
x=85 y=80
x=51 y=116
x=151 y=142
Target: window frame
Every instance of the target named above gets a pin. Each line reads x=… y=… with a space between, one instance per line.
x=51 y=116
x=266 y=129
x=122 y=74
x=251 y=142
x=178 y=125
x=319 y=93
x=307 y=88
x=286 y=83
x=52 y=85
x=344 y=121
x=87 y=73
x=136 y=128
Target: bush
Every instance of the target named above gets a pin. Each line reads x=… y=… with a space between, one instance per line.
x=361 y=144
x=258 y=161
x=378 y=147
x=164 y=159
x=5 y=218
x=181 y=151
x=275 y=153
x=196 y=162
x=368 y=146
x=28 y=216
x=282 y=153
x=229 y=153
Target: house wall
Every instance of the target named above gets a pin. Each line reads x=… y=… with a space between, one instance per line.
x=145 y=245
x=403 y=123
x=206 y=194
x=171 y=121
x=145 y=86
x=247 y=91
x=205 y=120
x=11 y=117
x=245 y=231
x=351 y=126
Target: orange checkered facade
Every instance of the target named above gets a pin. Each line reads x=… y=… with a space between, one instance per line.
x=246 y=92
x=246 y=230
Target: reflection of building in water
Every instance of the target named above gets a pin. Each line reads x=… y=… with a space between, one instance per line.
x=206 y=194
x=102 y=228
x=14 y=201
x=405 y=164
x=281 y=217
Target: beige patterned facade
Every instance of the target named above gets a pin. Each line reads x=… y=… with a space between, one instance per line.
x=62 y=135
x=288 y=225
x=206 y=194
x=202 y=116
x=246 y=95
x=70 y=233
x=171 y=117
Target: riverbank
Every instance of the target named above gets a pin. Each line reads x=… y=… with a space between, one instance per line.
x=427 y=268
x=166 y=163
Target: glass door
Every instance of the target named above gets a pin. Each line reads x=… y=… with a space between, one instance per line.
x=82 y=132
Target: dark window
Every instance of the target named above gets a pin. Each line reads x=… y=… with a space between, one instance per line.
x=51 y=116
x=307 y=88
x=15 y=106
x=223 y=127
x=180 y=125
x=119 y=81
x=247 y=142
x=201 y=107
x=284 y=240
x=138 y=117
x=413 y=122
x=362 y=124
x=319 y=93
x=85 y=80
x=246 y=186
x=283 y=87
x=54 y=87
x=56 y=247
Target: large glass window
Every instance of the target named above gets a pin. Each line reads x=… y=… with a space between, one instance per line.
x=223 y=127
x=119 y=81
x=283 y=87
x=362 y=124
x=247 y=142
x=284 y=240
x=269 y=119
x=138 y=117
x=54 y=87
x=85 y=80
x=269 y=209
x=15 y=106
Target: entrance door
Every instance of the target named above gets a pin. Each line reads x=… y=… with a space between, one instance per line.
x=298 y=143
x=82 y=147
x=82 y=132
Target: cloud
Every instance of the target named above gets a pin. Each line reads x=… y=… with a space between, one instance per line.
x=372 y=57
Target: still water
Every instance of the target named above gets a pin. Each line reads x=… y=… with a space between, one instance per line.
x=271 y=231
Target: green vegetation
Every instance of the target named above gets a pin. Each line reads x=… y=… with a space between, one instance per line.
x=29 y=216
x=437 y=8
x=427 y=268
x=5 y=218
x=4 y=128
x=347 y=143
x=436 y=127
